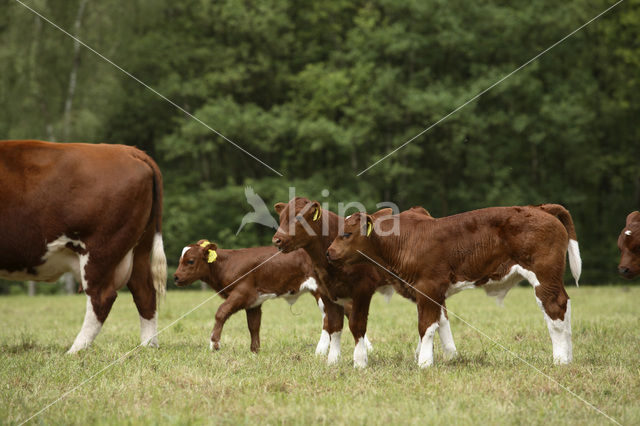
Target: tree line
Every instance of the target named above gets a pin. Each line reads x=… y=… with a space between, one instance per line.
x=319 y=91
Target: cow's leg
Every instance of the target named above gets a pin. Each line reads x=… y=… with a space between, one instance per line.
x=556 y=309
x=254 y=316
x=428 y=318
x=446 y=338
x=98 y=307
x=358 y=327
x=323 y=343
x=144 y=296
x=335 y=319
x=233 y=304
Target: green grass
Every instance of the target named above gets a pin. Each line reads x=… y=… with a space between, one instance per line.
x=182 y=382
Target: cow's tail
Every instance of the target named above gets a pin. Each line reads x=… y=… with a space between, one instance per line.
x=158 y=257
x=562 y=214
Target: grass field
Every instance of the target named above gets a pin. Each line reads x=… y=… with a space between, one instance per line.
x=182 y=382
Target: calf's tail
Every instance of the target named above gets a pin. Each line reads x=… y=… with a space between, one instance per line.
x=562 y=214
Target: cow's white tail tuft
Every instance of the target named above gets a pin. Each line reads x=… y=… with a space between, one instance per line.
x=575 y=262
x=159 y=267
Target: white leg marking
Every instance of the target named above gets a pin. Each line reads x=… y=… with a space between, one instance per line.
x=323 y=343
x=334 y=348
x=360 y=354
x=90 y=329
x=148 y=330
x=214 y=346
x=560 y=333
x=425 y=359
x=417 y=352
x=367 y=343
x=446 y=338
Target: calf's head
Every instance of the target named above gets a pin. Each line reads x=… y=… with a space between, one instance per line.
x=629 y=245
x=359 y=228
x=300 y=222
x=194 y=262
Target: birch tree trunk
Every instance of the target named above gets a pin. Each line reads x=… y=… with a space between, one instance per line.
x=31 y=288
x=73 y=76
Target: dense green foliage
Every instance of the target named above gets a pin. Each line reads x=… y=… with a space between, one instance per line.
x=286 y=384
x=321 y=90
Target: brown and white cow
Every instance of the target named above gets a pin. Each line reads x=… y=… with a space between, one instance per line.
x=246 y=278
x=93 y=210
x=492 y=248
x=629 y=246
x=301 y=226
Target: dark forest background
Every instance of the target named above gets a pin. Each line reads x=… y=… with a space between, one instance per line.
x=321 y=90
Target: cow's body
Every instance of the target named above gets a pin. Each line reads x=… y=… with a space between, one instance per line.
x=246 y=278
x=629 y=246
x=491 y=248
x=93 y=210
x=338 y=284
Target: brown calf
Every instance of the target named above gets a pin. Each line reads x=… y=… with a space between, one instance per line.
x=629 y=246
x=246 y=278
x=93 y=210
x=492 y=248
x=339 y=285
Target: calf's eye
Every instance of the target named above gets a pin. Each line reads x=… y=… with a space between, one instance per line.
x=190 y=262
x=347 y=235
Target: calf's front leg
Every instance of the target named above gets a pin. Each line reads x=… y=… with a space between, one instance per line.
x=429 y=310
x=233 y=304
x=358 y=327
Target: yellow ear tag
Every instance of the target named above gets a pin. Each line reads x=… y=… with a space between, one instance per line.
x=369 y=227
x=317 y=215
x=204 y=243
x=212 y=256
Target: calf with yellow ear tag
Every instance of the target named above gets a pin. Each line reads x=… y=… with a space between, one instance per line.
x=246 y=278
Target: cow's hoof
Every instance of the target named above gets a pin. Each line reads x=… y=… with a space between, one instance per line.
x=214 y=346
x=450 y=354
x=332 y=358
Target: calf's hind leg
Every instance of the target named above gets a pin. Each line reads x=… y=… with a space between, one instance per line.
x=556 y=309
x=254 y=316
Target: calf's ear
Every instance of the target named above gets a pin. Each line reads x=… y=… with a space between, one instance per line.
x=279 y=207
x=633 y=217
x=387 y=211
x=207 y=245
x=316 y=211
x=368 y=224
